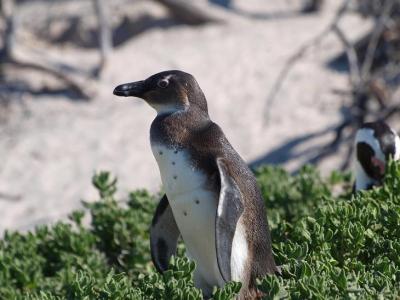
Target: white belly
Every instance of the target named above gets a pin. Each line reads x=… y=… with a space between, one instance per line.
x=194 y=208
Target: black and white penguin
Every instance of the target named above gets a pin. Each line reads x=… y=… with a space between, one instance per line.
x=375 y=142
x=211 y=197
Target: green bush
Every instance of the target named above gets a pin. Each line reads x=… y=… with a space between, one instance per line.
x=328 y=243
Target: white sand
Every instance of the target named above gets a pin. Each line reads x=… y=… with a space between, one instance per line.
x=50 y=148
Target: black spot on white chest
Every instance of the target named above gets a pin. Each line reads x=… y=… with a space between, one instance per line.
x=194 y=207
x=178 y=173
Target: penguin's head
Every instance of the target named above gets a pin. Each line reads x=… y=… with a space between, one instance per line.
x=166 y=92
x=375 y=143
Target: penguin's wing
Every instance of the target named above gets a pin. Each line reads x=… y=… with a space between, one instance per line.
x=230 y=208
x=164 y=234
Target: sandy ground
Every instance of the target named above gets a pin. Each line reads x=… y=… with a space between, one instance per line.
x=51 y=146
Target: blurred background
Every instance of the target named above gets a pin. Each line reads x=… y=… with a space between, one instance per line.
x=289 y=82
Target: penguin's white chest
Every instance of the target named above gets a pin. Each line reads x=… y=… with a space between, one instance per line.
x=194 y=207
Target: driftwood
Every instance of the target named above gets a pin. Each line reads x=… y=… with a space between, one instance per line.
x=365 y=87
x=8 y=53
x=105 y=33
x=184 y=11
x=10 y=197
x=297 y=55
x=9 y=19
x=312 y=6
x=187 y=12
x=70 y=82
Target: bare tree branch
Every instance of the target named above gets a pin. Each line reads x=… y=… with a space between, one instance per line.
x=10 y=197
x=354 y=74
x=364 y=88
x=289 y=64
x=8 y=55
x=8 y=14
x=68 y=81
x=312 y=6
x=105 y=34
x=373 y=43
x=187 y=12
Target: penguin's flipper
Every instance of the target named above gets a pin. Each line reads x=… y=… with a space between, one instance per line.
x=164 y=234
x=230 y=208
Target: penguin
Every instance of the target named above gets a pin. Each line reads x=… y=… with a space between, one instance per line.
x=211 y=196
x=375 y=142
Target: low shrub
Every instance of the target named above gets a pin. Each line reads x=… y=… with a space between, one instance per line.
x=328 y=244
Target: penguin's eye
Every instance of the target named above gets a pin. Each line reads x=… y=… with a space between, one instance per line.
x=163 y=83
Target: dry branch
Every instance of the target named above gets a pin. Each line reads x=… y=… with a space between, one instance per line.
x=9 y=17
x=363 y=87
x=373 y=43
x=289 y=64
x=105 y=34
x=70 y=83
x=355 y=74
x=8 y=53
x=312 y=6
x=187 y=12
x=10 y=197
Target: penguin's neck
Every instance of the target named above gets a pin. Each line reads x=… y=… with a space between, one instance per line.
x=175 y=128
x=363 y=181
x=168 y=109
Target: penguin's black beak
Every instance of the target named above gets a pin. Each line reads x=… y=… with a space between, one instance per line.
x=134 y=89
